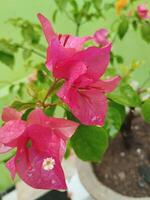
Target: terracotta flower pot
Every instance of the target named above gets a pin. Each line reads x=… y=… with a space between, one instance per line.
x=96 y=189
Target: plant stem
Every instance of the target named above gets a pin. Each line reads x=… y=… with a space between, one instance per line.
x=32 y=50
x=52 y=87
x=126 y=129
x=77 y=29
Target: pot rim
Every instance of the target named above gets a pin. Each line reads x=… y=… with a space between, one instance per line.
x=91 y=183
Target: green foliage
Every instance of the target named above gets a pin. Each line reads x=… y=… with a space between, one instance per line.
x=125 y=95
x=7 y=50
x=26 y=113
x=145 y=31
x=114 y=119
x=70 y=116
x=6 y=156
x=31 y=32
x=18 y=105
x=5 y=178
x=123 y=27
x=146 y=110
x=79 y=13
x=90 y=143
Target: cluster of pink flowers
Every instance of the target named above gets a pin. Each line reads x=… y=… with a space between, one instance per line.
x=143 y=12
x=41 y=144
x=81 y=69
x=40 y=141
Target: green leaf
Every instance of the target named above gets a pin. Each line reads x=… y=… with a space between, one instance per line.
x=7 y=58
x=119 y=59
x=6 y=156
x=146 y=110
x=50 y=111
x=7 y=50
x=145 y=31
x=70 y=116
x=115 y=111
x=54 y=15
x=7 y=46
x=123 y=27
x=86 y=7
x=5 y=178
x=41 y=76
x=90 y=142
x=74 y=5
x=120 y=108
x=30 y=32
x=18 y=105
x=68 y=151
x=61 y=4
x=135 y=25
x=125 y=95
x=26 y=113
x=20 y=90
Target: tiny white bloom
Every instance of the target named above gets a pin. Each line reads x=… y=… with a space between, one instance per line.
x=48 y=164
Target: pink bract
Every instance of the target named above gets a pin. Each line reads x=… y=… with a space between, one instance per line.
x=83 y=92
x=87 y=101
x=101 y=37
x=41 y=144
x=143 y=12
x=10 y=114
x=70 y=44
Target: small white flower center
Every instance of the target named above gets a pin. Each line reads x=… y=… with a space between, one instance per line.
x=48 y=164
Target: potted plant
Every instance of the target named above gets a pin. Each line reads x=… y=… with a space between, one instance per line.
x=76 y=101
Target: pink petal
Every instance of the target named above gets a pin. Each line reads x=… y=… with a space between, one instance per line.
x=61 y=127
x=48 y=142
x=10 y=114
x=47 y=28
x=107 y=85
x=29 y=165
x=96 y=60
x=4 y=149
x=57 y=55
x=100 y=37
x=89 y=106
x=11 y=167
x=53 y=139
x=69 y=41
x=10 y=132
x=143 y=12
x=70 y=70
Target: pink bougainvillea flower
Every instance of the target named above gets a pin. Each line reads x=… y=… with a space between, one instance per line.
x=10 y=114
x=65 y=40
x=143 y=12
x=92 y=61
x=41 y=144
x=70 y=43
x=101 y=37
x=83 y=92
x=87 y=100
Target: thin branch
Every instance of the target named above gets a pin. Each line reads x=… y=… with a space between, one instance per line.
x=52 y=87
x=32 y=50
x=77 y=29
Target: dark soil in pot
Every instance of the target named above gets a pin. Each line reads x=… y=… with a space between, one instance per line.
x=127 y=170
